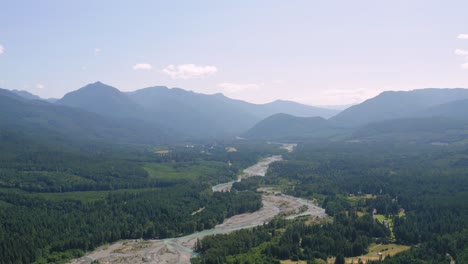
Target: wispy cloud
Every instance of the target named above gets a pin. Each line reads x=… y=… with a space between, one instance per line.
x=462 y=36
x=2 y=49
x=461 y=52
x=142 y=66
x=40 y=86
x=464 y=66
x=237 y=87
x=188 y=71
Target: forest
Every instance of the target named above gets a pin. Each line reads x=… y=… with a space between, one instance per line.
x=420 y=190
x=56 y=204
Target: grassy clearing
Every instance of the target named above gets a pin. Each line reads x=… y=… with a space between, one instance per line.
x=354 y=200
x=86 y=197
x=178 y=171
x=389 y=223
x=362 y=197
x=374 y=249
x=293 y=262
x=4 y=204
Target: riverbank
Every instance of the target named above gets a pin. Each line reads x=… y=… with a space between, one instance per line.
x=259 y=169
x=180 y=249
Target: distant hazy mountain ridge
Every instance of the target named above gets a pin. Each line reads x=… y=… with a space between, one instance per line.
x=430 y=113
x=427 y=113
x=187 y=112
x=42 y=120
x=401 y=104
x=284 y=126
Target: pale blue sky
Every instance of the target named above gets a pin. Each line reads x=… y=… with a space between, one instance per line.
x=315 y=52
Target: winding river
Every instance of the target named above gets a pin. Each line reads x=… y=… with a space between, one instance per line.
x=180 y=249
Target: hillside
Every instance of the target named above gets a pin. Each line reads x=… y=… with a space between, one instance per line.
x=283 y=126
x=102 y=99
x=455 y=109
x=429 y=130
x=26 y=95
x=192 y=113
x=46 y=121
x=186 y=112
x=393 y=105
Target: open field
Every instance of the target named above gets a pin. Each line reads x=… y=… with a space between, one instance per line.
x=374 y=249
x=176 y=171
x=85 y=196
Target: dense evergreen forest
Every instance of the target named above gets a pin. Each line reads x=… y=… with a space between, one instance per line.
x=420 y=191
x=56 y=203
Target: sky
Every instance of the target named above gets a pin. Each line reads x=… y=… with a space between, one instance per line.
x=314 y=52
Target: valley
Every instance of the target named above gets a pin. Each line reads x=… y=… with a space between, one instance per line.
x=95 y=185
x=233 y=132
x=181 y=249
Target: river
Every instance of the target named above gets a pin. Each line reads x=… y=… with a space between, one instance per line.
x=180 y=249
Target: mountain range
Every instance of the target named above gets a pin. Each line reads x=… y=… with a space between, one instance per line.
x=186 y=112
x=160 y=114
x=49 y=122
x=151 y=115
x=398 y=104
x=418 y=112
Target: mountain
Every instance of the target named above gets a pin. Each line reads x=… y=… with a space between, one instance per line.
x=292 y=108
x=51 y=100
x=424 y=113
x=104 y=100
x=189 y=113
x=455 y=110
x=394 y=105
x=284 y=126
x=26 y=95
x=411 y=130
x=42 y=120
x=213 y=115
x=192 y=113
x=12 y=95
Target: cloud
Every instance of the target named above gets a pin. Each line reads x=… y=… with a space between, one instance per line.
x=2 y=49
x=462 y=36
x=142 y=66
x=461 y=52
x=97 y=51
x=464 y=66
x=236 y=87
x=188 y=71
x=40 y=86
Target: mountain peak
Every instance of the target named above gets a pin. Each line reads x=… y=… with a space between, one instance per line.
x=97 y=87
x=26 y=95
x=99 y=84
x=102 y=99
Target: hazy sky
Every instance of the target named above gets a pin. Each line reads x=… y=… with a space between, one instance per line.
x=316 y=52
